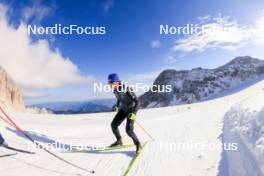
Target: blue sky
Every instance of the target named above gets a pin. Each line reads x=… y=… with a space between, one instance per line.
x=131 y=28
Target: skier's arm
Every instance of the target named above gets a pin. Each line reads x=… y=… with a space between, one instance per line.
x=135 y=99
x=117 y=101
x=116 y=106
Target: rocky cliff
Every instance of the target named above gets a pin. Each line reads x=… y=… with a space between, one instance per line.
x=10 y=95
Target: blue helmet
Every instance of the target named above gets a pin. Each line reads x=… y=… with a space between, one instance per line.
x=113 y=77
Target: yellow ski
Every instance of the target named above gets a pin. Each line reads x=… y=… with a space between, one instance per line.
x=134 y=160
x=99 y=149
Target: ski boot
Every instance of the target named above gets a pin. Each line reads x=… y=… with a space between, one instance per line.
x=138 y=148
x=117 y=143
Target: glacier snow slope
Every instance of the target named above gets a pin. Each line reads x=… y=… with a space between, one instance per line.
x=195 y=123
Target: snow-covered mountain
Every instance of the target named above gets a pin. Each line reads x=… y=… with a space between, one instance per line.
x=103 y=105
x=198 y=84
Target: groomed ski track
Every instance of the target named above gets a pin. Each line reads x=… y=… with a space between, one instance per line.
x=200 y=122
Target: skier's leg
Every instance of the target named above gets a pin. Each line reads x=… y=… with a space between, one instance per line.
x=130 y=131
x=119 y=118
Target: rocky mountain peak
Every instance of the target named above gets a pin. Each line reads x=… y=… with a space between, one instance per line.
x=194 y=85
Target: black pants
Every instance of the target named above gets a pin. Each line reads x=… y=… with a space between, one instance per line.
x=119 y=118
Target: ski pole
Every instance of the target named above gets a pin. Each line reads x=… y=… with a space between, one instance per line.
x=13 y=124
x=145 y=130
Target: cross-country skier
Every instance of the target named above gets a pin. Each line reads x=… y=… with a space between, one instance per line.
x=126 y=108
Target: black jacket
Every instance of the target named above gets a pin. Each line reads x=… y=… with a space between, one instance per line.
x=126 y=99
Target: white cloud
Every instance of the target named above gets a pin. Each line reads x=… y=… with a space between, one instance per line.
x=155 y=44
x=203 y=18
x=145 y=78
x=219 y=32
x=170 y=58
x=107 y=6
x=222 y=32
x=257 y=31
x=32 y=94
x=36 y=12
x=33 y=65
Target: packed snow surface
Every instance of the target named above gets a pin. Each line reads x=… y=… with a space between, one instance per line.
x=233 y=118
